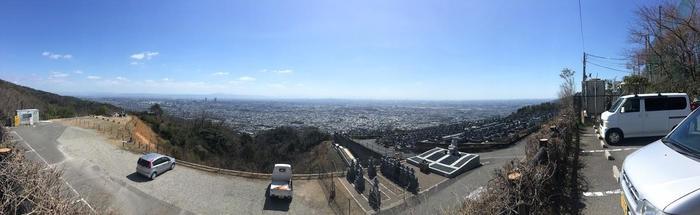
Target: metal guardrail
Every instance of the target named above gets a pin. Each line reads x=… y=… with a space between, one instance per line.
x=255 y=174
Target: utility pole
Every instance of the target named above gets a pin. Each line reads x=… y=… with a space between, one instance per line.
x=584 y=67
x=583 y=85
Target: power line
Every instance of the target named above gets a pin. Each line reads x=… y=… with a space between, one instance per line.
x=607 y=58
x=610 y=68
x=615 y=63
x=580 y=19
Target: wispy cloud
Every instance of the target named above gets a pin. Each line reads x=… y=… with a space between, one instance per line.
x=121 y=78
x=93 y=77
x=278 y=71
x=144 y=55
x=56 y=56
x=58 y=75
x=277 y=86
x=78 y=72
x=284 y=71
x=220 y=73
x=246 y=78
x=139 y=58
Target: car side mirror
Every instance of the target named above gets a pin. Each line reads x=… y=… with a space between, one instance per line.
x=622 y=109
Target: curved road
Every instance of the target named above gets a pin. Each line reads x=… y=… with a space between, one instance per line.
x=103 y=175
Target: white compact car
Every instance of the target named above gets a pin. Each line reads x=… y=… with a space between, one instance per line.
x=643 y=115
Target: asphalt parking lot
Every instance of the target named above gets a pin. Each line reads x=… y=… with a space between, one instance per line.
x=603 y=195
x=103 y=176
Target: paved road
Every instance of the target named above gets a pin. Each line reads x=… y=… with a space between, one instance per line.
x=103 y=175
x=451 y=196
x=603 y=195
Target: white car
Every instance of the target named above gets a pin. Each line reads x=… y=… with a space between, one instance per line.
x=281 y=185
x=643 y=115
x=664 y=177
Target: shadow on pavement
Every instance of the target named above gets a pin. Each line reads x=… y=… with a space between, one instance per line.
x=275 y=204
x=637 y=141
x=135 y=177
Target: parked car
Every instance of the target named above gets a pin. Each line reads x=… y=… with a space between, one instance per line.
x=664 y=177
x=153 y=164
x=281 y=185
x=643 y=115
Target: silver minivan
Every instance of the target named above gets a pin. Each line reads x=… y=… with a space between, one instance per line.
x=664 y=176
x=153 y=164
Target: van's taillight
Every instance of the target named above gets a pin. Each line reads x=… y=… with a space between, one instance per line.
x=694 y=105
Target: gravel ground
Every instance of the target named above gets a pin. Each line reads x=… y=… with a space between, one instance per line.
x=105 y=176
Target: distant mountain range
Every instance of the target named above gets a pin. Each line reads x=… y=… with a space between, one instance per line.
x=50 y=105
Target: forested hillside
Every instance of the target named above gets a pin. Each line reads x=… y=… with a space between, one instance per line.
x=13 y=97
x=214 y=143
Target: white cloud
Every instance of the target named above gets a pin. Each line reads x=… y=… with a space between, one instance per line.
x=57 y=75
x=144 y=55
x=277 y=86
x=220 y=73
x=121 y=78
x=278 y=71
x=166 y=79
x=246 y=78
x=284 y=71
x=56 y=56
x=78 y=72
x=92 y=77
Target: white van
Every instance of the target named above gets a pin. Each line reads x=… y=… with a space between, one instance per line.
x=643 y=115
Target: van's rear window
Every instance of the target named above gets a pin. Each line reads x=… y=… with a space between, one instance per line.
x=144 y=163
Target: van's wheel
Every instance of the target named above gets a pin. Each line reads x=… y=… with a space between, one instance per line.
x=614 y=136
x=154 y=175
x=172 y=166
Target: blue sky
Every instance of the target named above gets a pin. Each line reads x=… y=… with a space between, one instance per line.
x=400 y=49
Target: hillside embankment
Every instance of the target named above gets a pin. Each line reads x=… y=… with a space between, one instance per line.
x=129 y=132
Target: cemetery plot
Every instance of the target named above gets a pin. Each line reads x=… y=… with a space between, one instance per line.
x=449 y=163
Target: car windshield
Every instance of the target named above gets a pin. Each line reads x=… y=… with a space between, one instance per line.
x=615 y=105
x=686 y=136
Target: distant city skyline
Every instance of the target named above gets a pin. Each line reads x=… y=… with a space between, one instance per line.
x=395 y=50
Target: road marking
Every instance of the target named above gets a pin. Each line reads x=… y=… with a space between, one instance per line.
x=601 y=194
x=48 y=165
x=611 y=150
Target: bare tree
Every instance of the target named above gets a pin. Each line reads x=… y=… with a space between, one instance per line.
x=567 y=87
x=668 y=46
